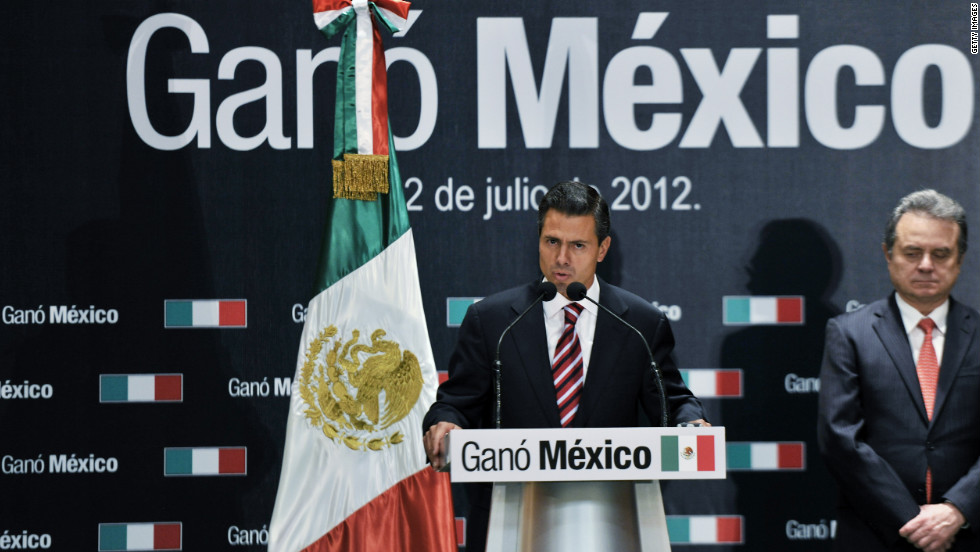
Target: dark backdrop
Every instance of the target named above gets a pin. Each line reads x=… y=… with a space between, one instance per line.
x=754 y=162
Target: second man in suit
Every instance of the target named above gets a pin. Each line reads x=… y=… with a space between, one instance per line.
x=899 y=417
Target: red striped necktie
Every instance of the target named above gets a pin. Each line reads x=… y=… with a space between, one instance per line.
x=928 y=371
x=567 y=369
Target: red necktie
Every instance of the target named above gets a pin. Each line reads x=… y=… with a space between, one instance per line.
x=928 y=371
x=566 y=369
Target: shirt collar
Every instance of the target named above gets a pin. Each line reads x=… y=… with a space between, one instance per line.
x=911 y=315
x=557 y=305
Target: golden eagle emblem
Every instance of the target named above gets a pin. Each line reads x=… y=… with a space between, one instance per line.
x=688 y=453
x=354 y=392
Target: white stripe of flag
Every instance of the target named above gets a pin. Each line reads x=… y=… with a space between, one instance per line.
x=396 y=20
x=205 y=313
x=205 y=461
x=364 y=80
x=139 y=536
x=688 y=464
x=704 y=529
x=141 y=388
x=765 y=456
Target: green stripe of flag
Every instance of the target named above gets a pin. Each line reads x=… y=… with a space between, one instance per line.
x=178 y=313
x=112 y=537
x=739 y=456
x=456 y=309
x=114 y=388
x=678 y=529
x=737 y=310
x=178 y=462
x=345 y=115
x=379 y=223
x=669 y=455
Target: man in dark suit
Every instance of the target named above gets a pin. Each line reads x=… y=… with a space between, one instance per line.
x=615 y=380
x=899 y=414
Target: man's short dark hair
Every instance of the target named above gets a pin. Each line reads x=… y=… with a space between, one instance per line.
x=932 y=204
x=576 y=199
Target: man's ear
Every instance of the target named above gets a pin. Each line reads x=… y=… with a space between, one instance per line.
x=604 y=248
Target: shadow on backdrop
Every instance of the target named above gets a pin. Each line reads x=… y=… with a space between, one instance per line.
x=780 y=365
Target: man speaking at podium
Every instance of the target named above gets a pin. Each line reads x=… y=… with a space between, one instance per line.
x=565 y=363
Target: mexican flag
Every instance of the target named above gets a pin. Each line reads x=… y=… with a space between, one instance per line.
x=687 y=453
x=354 y=476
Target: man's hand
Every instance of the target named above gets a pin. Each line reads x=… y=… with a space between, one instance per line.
x=700 y=421
x=433 y=442
x=934 y=529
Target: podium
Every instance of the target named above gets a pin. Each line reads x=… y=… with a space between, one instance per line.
x=582 y=488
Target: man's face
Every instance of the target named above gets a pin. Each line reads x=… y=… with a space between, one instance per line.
x=568 y=249
x=924 y=262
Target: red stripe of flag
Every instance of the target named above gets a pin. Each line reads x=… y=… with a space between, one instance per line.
x=397 y=7
x=416 y=513
x=330 y=5
x=789 y=309
x=166 y=536
x=443 y=376
x=231 y=460
x=167 y=388
x=728 y=383
x=379 y=97
x=231 y=313
x=790 y=455
x=729 y=529
x=706 y=453
x=460 y=531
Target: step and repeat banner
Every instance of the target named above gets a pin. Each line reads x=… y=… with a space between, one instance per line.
x=166 y=166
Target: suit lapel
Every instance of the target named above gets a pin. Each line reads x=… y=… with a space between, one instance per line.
x=529 y=338
x=606 y=346
x=891 y=332
x=960 y=326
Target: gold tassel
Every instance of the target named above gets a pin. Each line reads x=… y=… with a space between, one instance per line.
x=360 y=176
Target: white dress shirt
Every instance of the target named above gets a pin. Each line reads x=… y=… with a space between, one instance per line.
x=554 y=323
x=910 y=319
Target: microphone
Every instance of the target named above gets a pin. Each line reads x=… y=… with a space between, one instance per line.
x=576 y=292
x=546 y=292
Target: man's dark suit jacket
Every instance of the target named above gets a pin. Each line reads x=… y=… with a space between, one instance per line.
x=874 y=433
x=618 y=381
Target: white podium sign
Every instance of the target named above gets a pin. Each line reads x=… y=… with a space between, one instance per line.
x=587 y=454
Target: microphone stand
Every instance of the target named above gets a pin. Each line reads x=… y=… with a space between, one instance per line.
x=546 y=292
x=576 y=291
